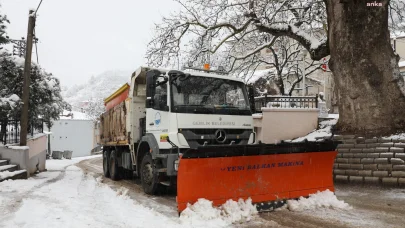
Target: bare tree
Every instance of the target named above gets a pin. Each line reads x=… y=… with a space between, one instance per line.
x=284 y=59
x=357 y=39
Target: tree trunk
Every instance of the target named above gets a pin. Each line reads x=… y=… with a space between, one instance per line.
x=371 y=93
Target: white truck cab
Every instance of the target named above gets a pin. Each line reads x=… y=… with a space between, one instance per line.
x=196 y=109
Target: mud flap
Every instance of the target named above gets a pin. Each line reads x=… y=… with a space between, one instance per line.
x=265 y=173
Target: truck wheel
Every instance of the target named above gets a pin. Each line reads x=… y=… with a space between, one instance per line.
x=105 y=164
x=149 y=178
x=113 y=165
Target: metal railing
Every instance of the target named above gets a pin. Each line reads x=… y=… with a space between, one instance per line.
x=10 y=130
x=285 y=102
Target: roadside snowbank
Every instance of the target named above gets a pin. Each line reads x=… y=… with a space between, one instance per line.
x=325 y=199
x=203 y=214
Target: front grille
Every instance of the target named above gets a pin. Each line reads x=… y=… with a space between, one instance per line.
x=199 y=131
x=214 y=142
x=197 y=137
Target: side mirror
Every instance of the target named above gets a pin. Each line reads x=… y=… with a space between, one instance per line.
x=151 y=77
x=251 y=95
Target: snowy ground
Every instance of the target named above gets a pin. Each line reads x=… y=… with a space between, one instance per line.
x=75 y=195
x=65 y=196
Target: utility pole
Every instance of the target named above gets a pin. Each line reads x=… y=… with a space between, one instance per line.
x=27 y=79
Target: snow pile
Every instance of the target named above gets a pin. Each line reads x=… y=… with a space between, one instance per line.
x=325 y=130
x=396 y=136
x=203 y=214
x=325 y=199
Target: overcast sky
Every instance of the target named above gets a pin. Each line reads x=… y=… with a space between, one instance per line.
x=81 y=38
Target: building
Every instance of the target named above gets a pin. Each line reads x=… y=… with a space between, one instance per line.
x=73 y=131
x=398 y=45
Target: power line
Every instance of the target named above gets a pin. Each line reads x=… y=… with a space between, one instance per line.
x=36 y=47
x=38 y=7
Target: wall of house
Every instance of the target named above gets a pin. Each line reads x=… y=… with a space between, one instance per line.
x=37 y=153
x=399 y=47
x=276 y=124
x=31 y=157
x=74 y=135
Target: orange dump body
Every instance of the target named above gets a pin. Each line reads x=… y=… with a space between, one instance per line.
x=264 y=176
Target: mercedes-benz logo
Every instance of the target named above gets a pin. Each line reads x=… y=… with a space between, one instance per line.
x=220 y=136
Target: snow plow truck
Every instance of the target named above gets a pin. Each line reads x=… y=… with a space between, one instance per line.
x=193 y=131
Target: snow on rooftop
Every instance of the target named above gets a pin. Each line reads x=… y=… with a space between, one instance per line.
x=19 y=147
x=73 y=115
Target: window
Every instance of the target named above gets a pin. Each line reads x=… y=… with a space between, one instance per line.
x=160 y=98
x=209 y=95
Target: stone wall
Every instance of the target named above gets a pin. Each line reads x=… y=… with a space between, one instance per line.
x=370 y=161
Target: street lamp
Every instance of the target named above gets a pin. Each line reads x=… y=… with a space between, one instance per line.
x=303 y=55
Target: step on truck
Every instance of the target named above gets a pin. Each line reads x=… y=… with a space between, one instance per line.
x=193 y=131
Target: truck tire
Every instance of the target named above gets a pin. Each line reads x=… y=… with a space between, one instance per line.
x=105 y=164
x=113 y=166
x=149 y=176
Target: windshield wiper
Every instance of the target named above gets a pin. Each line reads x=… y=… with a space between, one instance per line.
x=199 y=108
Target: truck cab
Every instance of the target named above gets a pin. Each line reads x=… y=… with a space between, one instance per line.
x=197 y=109
x=168 y=112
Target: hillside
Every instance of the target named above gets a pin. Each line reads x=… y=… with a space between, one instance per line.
x=88 y=97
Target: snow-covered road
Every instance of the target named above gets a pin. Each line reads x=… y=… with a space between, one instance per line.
x=71 y=195
x=65 y=196
x=370 y=206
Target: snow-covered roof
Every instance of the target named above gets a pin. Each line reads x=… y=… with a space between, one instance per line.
x=252 y=78
x=397 y=34
x=73 y=115
x=314 y=79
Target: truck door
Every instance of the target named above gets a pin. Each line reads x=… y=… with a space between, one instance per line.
x=157 y=114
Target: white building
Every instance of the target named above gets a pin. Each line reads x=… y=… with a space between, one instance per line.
x=73 y=131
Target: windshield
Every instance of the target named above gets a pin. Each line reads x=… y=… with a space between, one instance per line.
x=196 y=94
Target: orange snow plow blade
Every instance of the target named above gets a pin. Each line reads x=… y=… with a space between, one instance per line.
x=266 y=173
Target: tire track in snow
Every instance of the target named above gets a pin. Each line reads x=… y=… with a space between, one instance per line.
x=14 y=202
x=164 y=204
